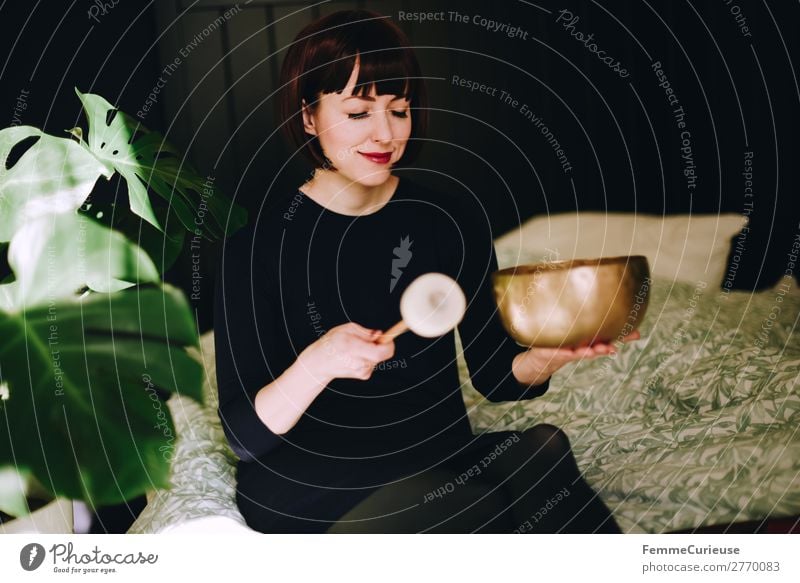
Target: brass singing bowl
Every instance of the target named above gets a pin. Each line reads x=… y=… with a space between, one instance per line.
x=573 y=303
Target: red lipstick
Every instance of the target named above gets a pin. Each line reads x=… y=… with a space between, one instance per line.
x=377 y=157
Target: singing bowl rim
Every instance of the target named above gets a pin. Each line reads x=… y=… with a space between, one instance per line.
x=566 y=264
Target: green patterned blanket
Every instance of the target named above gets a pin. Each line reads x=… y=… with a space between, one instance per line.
x=695 y=424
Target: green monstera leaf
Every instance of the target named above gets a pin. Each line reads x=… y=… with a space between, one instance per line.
x=54 y=175
x=56 y=256
x=146 y=160
x=164 y=247
x=81 y=378
x=13 y=490
x=84 y=360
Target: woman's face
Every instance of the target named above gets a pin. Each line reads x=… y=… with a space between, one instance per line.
x=362 y=136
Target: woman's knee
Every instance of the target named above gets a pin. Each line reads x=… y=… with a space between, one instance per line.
x=548 y=446
x=255 y=515
x=547 y=439
x=294 y=507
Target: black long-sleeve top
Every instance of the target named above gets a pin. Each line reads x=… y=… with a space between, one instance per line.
x=302 y=269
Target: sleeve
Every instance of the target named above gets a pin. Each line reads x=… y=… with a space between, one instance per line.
x=245 y=346
x=468 y=255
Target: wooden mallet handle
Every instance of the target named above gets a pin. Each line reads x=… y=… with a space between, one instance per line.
x=392 y=332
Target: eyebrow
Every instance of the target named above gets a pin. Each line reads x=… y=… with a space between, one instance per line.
x=369 y=98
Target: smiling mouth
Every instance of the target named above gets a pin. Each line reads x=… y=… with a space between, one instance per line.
x=377 y=157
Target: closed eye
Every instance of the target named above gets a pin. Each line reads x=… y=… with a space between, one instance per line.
x=364 y=114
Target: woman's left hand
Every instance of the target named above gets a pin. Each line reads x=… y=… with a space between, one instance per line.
x=536 y=365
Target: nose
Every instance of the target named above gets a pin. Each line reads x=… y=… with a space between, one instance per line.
x=382 y=128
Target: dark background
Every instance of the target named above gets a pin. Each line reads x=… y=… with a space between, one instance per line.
x=740 y=93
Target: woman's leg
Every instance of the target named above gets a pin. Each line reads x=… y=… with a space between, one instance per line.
x=279 y=498
x=430 y=501
x=529 y=482
x=544 y=484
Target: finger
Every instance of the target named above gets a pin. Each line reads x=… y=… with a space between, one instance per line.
x=603 y=348
x=382 y=352
x=363 y=332
x=588 y=352
x=372 y=351
x=376 y=334
x=635 y=335
x=607 y=348
x=366 y=370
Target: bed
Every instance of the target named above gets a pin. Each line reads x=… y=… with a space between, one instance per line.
x=692 y=426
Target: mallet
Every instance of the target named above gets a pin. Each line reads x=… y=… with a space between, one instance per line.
x=432 y=305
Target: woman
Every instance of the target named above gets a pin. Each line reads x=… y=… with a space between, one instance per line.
x=335 y=432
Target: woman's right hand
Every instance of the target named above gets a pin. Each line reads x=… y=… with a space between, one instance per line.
x=346 y=351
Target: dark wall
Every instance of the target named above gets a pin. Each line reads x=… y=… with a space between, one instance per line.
x=729 y=65
x=50 y=48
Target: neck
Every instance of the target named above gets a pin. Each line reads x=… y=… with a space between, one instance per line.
x=339 y=195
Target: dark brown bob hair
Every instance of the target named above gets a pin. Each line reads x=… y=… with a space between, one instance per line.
x=321 y=60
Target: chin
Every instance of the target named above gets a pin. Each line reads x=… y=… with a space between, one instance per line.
x=375 y=179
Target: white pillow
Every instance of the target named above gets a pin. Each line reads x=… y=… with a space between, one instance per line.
x=689 y=248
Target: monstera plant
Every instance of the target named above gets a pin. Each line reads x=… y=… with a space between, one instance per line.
x=89 y=334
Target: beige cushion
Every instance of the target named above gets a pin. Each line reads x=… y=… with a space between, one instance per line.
x=689 y=248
